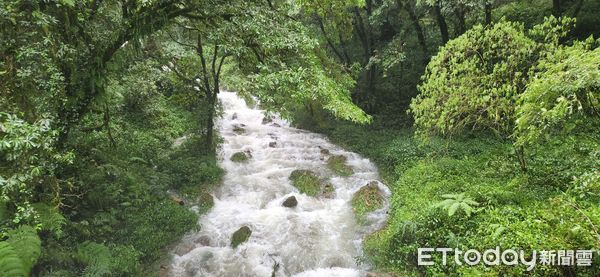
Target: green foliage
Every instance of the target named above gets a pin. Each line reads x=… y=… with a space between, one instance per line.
x=101 y=260
x=306 y=182
x=10 y=263
x=19 y=253
x=96 y=258
x=30 y=157
x=337 y=164
x=510 y=209
x=563 y=96
x=474 y=81
x=457 y=202
x=50 y=219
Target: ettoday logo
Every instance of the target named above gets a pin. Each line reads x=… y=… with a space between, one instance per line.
x=494 y=257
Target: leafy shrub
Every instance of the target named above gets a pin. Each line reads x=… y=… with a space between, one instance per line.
x=473 y=82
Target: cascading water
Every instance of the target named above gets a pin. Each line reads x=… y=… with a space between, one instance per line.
x=318 y=237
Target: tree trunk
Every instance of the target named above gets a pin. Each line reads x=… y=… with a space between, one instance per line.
x=488 y=13
x=210 y=123
x=441 y=22
x=329 y=41
x=460 y=16
x=521 y=157
x=556 y=10
x=418 y=29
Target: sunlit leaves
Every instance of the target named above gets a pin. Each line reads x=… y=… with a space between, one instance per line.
x=564 y=95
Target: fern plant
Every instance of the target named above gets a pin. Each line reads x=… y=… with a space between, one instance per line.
x=20 y=252
x=454 y=202
x=96 y=257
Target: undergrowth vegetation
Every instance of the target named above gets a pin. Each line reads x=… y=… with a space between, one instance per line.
x=552 y=206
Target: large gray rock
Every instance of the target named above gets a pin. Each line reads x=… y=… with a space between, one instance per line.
x=290 y=202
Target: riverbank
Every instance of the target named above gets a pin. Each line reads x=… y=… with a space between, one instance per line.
x=138 y=193
x=500 y=206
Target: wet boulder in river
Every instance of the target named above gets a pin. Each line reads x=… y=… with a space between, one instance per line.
x=239 y=129
x=290 y=202
x=240 y=236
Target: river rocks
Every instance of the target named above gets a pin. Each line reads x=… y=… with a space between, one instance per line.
x=267 y=119
x=328 y=191
x=177 y=200
x=306 y=182
x=337 y=164
x=290 y=202
x=239 y=129
x=205 y=201
x=367 y=199
x=324 y=151
x=202 y=240
x=273 y=144
x=275 y=125
x=240 y=236
x=234 y=116
x=240 y=157
x=184 y=249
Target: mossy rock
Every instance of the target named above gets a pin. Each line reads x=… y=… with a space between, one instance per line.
x=337 y=164
x=367 y=199
x=239 y=129
x=205 y=202
x=306 y=182
x=328 y=190
x=240 y=236
x=240 y=157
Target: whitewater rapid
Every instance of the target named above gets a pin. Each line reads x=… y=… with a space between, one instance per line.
x=319 y=237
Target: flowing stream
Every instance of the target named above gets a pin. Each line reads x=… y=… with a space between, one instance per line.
x=318 y=237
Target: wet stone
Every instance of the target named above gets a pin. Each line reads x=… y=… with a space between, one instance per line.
x=203 y=240
x=240 y=236
x=290 y=202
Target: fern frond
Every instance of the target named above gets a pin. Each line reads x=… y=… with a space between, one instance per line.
x=50 y=218
x=96 y=257
x=10 y=263
x=27 y=244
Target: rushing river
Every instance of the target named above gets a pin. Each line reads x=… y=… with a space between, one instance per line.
x=319 y=237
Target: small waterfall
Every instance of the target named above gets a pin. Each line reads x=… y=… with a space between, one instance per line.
x=319 y=237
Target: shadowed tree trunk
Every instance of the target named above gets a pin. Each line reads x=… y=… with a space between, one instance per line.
x=418 y=29
x=488 y=13
x=460 y=16
x=556 y=10
x=441 y=22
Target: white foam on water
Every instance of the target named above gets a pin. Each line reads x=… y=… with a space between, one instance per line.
x=319 y=237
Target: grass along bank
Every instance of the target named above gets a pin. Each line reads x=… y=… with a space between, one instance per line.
x=552 y=206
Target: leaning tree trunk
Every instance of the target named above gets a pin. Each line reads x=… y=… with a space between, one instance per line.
x=418 y=29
